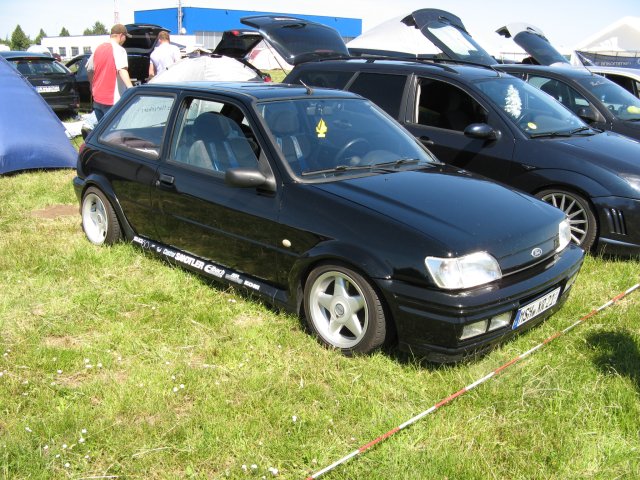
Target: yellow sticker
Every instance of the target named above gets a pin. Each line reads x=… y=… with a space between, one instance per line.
x=321 y=129
x=532 y=125
x=633 y=109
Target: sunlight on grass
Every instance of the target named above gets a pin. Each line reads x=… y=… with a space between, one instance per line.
x=115 y=364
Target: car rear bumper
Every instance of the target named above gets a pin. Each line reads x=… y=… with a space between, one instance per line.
x=430 y=322
x=619 y=222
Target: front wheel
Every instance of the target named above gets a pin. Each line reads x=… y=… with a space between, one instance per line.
x=343 y=310
x=581 y=218
x=99 y=220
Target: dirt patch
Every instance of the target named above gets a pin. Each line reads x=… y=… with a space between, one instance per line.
x=62 y=342
x=55 y=211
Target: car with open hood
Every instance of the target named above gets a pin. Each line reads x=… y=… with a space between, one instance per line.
x=50 y=78
x=601 y=102
x=473 y=116
x=319 y=202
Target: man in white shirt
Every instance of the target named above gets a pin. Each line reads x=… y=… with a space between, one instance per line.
x=164 y=55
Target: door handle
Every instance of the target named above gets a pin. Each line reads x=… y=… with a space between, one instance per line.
x=426 y=141
x=165 y=180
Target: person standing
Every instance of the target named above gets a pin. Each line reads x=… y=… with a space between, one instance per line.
x=164 y=55
x=108 y=71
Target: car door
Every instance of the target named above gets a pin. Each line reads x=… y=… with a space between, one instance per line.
x=438 y=114
x=132 y=142
x=200 y=213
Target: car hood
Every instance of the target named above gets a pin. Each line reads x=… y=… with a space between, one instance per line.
x=298 y=40
x=609 y=151
x=476 y=215
x=533 y=41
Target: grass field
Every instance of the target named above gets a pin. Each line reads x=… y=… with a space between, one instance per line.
x=116 y=365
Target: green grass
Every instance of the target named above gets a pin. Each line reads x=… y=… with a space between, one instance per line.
x=115 y=364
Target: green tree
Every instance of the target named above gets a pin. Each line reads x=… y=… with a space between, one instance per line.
x=19 y=40
x=64 y=32
x=97 y=29
x=40 y=36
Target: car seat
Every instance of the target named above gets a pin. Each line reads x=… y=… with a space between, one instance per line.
x=295 y=146
x=551 y=88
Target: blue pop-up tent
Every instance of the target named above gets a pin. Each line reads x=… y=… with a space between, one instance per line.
x=31 y=135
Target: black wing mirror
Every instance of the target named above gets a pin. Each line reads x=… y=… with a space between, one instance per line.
x=589 y=115
x=248 y=178
x=481 y=131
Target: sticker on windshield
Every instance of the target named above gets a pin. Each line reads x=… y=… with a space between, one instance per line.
x=532 y=125
x=321 y=129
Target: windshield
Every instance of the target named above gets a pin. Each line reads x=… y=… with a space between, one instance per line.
x=533 y=111
x=459 y=45
x=622 y=103
x=327 y=137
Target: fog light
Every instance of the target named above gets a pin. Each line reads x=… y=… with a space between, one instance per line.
x=500 y=321
x=474 y=329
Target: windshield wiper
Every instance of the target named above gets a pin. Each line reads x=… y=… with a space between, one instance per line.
x=337 y=169
x=550 y=134
x=581 y=129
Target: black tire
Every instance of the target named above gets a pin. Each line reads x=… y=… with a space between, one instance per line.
x=584 y=227
x=343 y=310
x=99 y=220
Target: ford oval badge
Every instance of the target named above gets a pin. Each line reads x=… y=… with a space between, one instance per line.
x=536 y=252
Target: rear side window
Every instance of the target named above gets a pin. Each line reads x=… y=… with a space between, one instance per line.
x=140 y=126
x=326 y=79
x=384 y=90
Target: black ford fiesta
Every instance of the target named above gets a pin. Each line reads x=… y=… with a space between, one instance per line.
x=322 y=204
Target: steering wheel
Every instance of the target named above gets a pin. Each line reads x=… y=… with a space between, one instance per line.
x=349 y=145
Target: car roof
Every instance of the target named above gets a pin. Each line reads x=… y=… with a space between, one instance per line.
x=446 y=67
x=20 y=54
x=628 y=72
x=252 y=90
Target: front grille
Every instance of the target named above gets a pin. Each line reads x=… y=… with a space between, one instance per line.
x=615 y=220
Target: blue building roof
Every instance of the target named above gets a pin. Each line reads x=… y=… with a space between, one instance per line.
x=218 y=20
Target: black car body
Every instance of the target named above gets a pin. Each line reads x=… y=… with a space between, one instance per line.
x=601 y=102
x=49 y=77
x=78 y=67
x=478 y=118
x=323 y=205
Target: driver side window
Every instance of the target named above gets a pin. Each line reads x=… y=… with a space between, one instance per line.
x=562 y=92
x=443 y=105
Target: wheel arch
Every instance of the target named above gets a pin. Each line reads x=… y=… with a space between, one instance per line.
x=102 y=184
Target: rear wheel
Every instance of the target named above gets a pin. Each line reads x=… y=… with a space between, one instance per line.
x=99 y=220
x=581 y=218
x=343 y=310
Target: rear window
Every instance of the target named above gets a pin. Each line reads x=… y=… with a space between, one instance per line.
x=38 y=66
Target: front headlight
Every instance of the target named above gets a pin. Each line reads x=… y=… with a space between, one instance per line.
x=564 y=234
x=463 y=272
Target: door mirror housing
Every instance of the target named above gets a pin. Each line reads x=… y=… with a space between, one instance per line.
x=248 y=178
x=481 y=131
x=589 y=115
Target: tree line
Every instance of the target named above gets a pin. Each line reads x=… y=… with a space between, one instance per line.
x=21 y=41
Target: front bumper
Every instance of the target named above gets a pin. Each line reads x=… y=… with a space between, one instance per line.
x=619 y=223
x=429 y=322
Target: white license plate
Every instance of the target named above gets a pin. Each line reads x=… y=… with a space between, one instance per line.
x=48 y=88
x=536 y=307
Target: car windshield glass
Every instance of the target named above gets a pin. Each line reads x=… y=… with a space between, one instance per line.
x=459 y=44
x=533 y=111
x=619 y=101
x=320 y=136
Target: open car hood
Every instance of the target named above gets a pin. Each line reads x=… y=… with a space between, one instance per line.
x=532 y=40
x=427 y=32
x=237 y=43
x=143 y=37
x=298 y=40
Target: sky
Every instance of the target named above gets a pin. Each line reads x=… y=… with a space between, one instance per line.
x=565 y=22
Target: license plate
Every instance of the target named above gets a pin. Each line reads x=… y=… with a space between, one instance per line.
x=48 y=88
x=536 y=307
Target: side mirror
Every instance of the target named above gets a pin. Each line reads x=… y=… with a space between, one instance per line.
x=247 y=178
x=481 y=131
x=589 y=115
